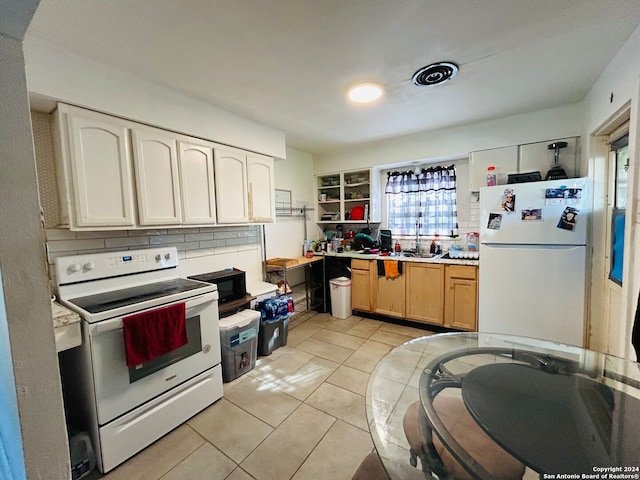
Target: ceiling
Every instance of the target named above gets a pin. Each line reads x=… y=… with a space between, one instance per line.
x=287 y=63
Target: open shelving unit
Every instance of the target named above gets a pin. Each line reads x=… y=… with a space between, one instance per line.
x=311 y=294
x=338 y=194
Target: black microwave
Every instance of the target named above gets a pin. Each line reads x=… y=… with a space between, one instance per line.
x=232 y=283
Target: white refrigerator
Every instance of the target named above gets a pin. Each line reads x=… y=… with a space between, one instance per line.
x=533 y=256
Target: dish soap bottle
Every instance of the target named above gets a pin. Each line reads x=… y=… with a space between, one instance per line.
x=491 y=176
x=398 y=248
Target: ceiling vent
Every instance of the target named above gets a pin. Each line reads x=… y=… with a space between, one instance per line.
x=435 y=74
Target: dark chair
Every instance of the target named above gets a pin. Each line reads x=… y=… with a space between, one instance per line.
x=436 y=458
x=371 y=468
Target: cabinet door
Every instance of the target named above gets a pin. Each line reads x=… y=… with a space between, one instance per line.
x=538 y=157
x=196 y=183
x=425 y=292
x=157 y=181
x=461 y=297
x=99 y=163
x=262 y=190
x=504 y=159
x=361 y=288
x=389 y=296
x=231 y=186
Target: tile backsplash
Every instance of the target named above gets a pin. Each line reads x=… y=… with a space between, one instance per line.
x=47 y=185
x=190 y=242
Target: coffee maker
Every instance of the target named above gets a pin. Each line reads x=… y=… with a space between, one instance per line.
x=386 y=244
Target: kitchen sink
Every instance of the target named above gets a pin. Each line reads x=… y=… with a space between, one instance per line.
x=419 y=255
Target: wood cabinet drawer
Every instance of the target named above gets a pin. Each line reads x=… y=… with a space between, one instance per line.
x=358 y=264
x=462 y=271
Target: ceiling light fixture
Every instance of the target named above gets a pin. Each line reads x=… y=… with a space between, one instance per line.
x=435 y=74
x=365 y=92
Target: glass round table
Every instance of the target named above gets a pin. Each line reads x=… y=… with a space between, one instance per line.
x=486 y=406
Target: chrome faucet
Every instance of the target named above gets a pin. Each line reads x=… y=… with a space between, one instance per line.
x=418 y=228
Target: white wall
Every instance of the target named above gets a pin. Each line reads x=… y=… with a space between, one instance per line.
x=59 y=74
x=457 y=142
x=22 y=259
x=621 y=79
x=285 y=237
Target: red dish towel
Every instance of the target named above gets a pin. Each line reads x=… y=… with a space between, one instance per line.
x=151 y=334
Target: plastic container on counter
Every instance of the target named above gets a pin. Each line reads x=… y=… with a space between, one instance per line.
x=491 y=176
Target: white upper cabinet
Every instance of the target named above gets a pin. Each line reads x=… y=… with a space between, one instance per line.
x=262 y=191
x=539 y=157
x=530 y=157
x=118 y=174
x=197 y=184
x=232 y=199
x=94 y=169
x=157 y=180
x=504 y=159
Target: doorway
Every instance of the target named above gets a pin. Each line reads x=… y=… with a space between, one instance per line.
x=617 y=183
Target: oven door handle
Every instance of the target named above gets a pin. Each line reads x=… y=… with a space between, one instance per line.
x=116 y=323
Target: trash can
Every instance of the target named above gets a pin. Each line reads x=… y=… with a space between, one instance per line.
x=238 y=343
x=274 y=323
x=340 y=297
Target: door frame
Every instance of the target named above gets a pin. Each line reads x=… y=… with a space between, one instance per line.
x=600 y=325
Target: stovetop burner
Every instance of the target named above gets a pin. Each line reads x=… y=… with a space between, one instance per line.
x=103 y=302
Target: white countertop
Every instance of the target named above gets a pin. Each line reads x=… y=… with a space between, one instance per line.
x=66 y=327
x=62 y=315
x=402 y=258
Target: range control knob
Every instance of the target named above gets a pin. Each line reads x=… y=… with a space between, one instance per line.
x=89 y=266
x=158 y=258
x=167 y=256
x=74 y=267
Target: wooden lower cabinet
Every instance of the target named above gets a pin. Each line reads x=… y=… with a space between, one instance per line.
x=425 y=292
x=461 y=297
x=361 y=285
x=430 y=293
x=389 y=296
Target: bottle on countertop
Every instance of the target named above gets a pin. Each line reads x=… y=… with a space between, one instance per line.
x=433 y=247
x=398 y=248
x=491 y=176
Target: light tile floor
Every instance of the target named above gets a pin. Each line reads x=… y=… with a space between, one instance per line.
x=299 y=414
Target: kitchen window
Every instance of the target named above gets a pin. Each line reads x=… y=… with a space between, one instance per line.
x=422 y=201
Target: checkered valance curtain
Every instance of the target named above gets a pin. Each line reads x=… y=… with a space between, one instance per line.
x=426 y=202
